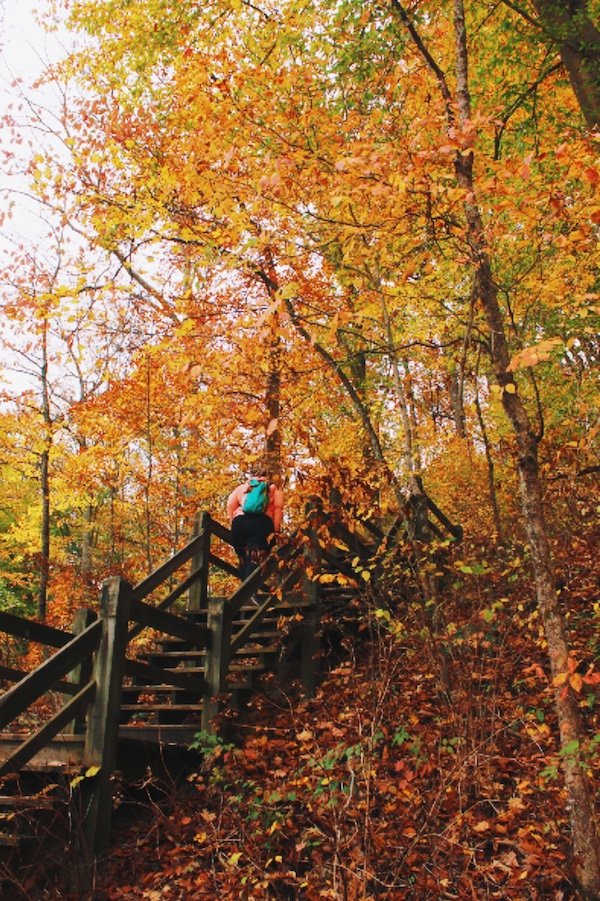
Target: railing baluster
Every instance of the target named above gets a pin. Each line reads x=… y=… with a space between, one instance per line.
x=217 y=659
x=103 y=721
x=82 y=674
x=198 y=594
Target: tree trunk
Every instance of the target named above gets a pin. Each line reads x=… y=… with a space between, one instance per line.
x=149 y=470
x=273 y=402
x=455 y=392
x=85 y=565
x=42 y=600
x=490 y=469
x=569 y=25
x=584 y=825
x=411 y=454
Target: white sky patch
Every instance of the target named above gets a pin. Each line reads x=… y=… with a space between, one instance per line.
x=26 y=50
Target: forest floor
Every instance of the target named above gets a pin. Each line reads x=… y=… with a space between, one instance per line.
x=426 y=767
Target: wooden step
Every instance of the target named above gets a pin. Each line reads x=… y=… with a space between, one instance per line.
x=171 y=659
x=175 y=645
x=159 y=708
x=63 y=754
x=181 y=735
x=239 y=668
x=165 y=689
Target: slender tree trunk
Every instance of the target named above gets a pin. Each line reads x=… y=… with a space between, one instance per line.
x=410 y=452
x=149 y=472
x=273 y=402
x=269 y=279
x=42 y=599
x=490 y=469
x=584 y=825
x=85 y=564
x=455 y=392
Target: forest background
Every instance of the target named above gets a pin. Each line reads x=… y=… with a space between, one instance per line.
x=359 y=240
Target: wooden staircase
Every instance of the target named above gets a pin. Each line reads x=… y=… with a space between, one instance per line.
x=197 y=663
x=161 y=712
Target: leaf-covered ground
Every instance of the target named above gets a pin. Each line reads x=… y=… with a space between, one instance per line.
x=427 y=766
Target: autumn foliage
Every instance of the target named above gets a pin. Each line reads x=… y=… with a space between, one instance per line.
x=362 y=241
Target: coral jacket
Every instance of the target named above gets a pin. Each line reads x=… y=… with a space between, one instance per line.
x=274 y=506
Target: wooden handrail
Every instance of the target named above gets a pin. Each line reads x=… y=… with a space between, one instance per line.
x=10 y=674
x=153 y=617
x=160 y=575
x=241 y=637
x=33 y=631
x=36 y=742
x=223 y=565
x=39 y=681
x=167 y=602
x=220 y=531
x=255 y=580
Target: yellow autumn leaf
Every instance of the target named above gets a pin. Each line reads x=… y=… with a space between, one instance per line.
x=576 y=682
x=534 y=354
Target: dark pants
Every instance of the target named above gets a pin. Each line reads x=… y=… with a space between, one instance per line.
x=250 y=538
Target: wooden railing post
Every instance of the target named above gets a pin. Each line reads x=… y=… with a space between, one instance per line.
x=198 y=593
x=217 y=659
x=100 y=748
x=310 y=645
x=80 y=676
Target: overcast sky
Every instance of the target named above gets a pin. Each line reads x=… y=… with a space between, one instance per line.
x=25 y=50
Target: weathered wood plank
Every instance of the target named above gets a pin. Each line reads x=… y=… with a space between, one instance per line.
x=167 y=602
x=21 y=627
x=355 y=544
x=249 y=628
x=220 y=531
x=169 y=623
x=217 y=659
x=160 y=575
x=19 y=758
x=10 y=674
x=15 y=675
x=39 y=681
x=104 y=714
x=276 y=560
x=197 y=598
x=157 y=675
x=82 y=674
x=223 y=564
